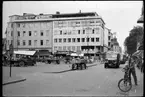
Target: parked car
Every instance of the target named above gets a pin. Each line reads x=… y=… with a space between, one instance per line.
x=52 y=59
x=112 y=60
x=79 y=64
x=24 y=61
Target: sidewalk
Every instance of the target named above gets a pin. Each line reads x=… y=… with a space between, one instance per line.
x=13 y=79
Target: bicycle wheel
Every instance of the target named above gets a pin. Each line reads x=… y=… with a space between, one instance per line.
x=124 y=85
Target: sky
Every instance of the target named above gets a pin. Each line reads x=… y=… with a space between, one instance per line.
x=119 y=16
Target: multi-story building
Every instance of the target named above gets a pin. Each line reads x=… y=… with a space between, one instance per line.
x=30 y=32
x=83 y=32
x=78 y=32
x=110 y=37
x=115 y=45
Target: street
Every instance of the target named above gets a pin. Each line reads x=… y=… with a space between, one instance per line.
x=59 y=80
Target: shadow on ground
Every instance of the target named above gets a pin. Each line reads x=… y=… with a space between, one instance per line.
x=68 y=70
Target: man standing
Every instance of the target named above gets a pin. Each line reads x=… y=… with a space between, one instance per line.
x=132 y=62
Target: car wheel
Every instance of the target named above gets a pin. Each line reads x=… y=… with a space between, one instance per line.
x=21 y=63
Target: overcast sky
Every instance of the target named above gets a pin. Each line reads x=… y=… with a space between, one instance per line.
x=119 y=16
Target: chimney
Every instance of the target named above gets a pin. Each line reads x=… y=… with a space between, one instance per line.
x=57 y=12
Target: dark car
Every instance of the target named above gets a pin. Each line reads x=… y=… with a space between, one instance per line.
x=24 y=61
x=111 y=64
x=79 y=64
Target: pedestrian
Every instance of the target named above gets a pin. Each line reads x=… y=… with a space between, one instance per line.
x=132 y=62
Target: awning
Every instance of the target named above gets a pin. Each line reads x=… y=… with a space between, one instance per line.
x=43 y=53
x=75 y=54
x=25 y=52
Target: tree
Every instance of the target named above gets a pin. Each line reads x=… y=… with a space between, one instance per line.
x=135 y=36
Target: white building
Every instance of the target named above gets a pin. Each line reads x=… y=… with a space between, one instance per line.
x=78 y=32
x=83 y=32
x=30 y=31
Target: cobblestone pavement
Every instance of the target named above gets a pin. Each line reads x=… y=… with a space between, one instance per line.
x=54 y=80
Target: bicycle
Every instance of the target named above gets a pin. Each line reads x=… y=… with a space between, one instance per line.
x=125 y=84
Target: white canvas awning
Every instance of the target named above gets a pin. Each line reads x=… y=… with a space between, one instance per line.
x=75 y=54
x=25 y=52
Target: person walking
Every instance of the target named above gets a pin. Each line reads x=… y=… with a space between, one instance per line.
x=132 y=62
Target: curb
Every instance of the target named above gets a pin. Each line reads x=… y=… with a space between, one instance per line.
x=14 y=81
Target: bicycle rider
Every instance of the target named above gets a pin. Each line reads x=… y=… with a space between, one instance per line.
x=132 y=62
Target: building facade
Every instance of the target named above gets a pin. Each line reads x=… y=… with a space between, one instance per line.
x=78 y=32
x=83 y=32
x=29 y=32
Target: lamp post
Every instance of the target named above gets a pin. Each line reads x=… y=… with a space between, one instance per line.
x=11 y=54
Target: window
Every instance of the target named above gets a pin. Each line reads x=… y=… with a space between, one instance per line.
x=60 y=48
x=55 y=40
x=47 y=42
x=64 y=48
x=41 y=33
x=60 y=32
x=92 y=39
x=69 y=39
x=83 y=31
x=78 y=47
x=18 y=33
x=69 y=48
x=29 y=33
x=88 y=39
x=73 y=40
x=41 y=42
x=93 y=31
x=29 y=42
x=35 y=33
x=47 y=32
x=35 y=42
x=11 y=41
x=64 y=40
x=78 y=39
x=97 y=39
x=78 y=31
x=24 y=43
x=60 y=40
x=12 y=25
x=83 y=39
x=11 y=33
x=18 y=25
x=18 y=42
x=24 y=33
x=73 y=48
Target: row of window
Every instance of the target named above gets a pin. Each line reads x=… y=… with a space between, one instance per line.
x=65 y=32
x=35 y=33
x=67 y=48
x=31 y=25
x=60 y=40
x=76 y=23
x=23 y=43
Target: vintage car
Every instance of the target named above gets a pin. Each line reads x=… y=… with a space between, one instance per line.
x=112 y=60
x=23 y=58
x=79 y=64
x=24 y=61
x=52 y=59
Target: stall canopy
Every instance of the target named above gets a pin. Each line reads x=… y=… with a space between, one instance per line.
x=25 y=52
x=75 y=54
x=43 y=53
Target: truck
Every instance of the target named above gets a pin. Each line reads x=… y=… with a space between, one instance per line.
x=112 y=60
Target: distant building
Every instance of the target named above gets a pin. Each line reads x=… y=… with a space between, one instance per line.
x=115 y=45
